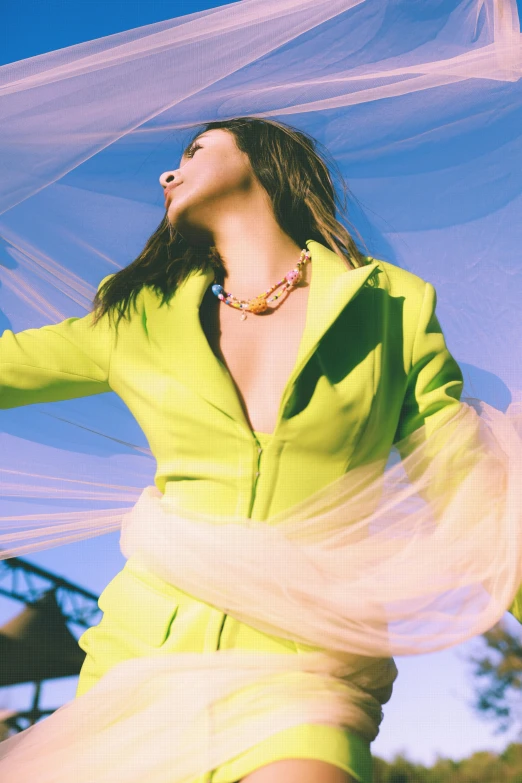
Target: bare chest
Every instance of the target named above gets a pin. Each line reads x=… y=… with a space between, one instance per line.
x=259 y=353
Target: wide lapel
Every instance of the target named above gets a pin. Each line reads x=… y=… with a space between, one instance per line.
x=186 y=351
x=332 y=287
x=188 y=354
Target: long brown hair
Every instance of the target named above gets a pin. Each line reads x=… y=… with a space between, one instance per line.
x=298 y=182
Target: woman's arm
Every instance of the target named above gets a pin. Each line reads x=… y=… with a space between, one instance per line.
x=56 y=362
x=433 y=391
x=435 y=379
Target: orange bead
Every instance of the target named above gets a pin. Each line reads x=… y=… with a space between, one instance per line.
x=257 y=305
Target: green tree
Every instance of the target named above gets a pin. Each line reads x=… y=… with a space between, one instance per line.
x=400 y=770
x=480 y=767
x=498 y=677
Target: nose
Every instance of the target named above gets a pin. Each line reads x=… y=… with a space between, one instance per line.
x=167 y=177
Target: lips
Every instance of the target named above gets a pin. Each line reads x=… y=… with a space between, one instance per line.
x=169 y=190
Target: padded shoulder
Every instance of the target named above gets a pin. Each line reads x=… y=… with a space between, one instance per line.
x=400 y=282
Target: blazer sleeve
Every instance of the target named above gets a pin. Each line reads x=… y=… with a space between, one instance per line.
x=435 y=380
x=56 y=362
x=433 y=390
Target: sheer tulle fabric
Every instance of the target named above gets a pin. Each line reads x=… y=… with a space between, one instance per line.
x=422 y=113
x=412 y=557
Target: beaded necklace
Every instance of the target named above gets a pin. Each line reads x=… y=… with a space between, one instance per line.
x=260 y=303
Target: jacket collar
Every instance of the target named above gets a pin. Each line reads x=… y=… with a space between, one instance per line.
x=332 y=286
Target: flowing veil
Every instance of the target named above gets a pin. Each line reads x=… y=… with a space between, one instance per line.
x=420 y=104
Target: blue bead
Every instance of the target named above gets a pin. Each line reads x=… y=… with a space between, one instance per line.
x=217 y=289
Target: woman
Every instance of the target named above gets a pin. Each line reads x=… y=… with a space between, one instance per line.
x=232 y=193
x=247 y=416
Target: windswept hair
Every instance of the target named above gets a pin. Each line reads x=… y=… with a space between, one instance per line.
x=298 y=182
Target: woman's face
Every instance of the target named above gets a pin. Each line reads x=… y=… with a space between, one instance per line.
x=212 y=181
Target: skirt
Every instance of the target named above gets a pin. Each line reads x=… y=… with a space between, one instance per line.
x=144 y=616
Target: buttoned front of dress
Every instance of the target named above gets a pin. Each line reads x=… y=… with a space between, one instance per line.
x=188 y=407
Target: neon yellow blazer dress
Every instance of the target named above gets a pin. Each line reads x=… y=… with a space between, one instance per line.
x=372 y=366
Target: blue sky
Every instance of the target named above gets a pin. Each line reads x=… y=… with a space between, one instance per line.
x=429 y=712
x=34 y=27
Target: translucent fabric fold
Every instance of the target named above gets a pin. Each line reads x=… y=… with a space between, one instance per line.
x=396 y=558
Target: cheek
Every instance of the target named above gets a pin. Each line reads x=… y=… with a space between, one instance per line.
x=229 y=179
x=211 y=185
x=207 y=183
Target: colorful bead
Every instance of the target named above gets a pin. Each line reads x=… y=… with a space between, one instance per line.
x=259 y=304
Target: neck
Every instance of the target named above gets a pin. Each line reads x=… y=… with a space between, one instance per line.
x=255 y=262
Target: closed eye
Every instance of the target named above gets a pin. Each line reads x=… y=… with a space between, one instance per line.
x=192 y=149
